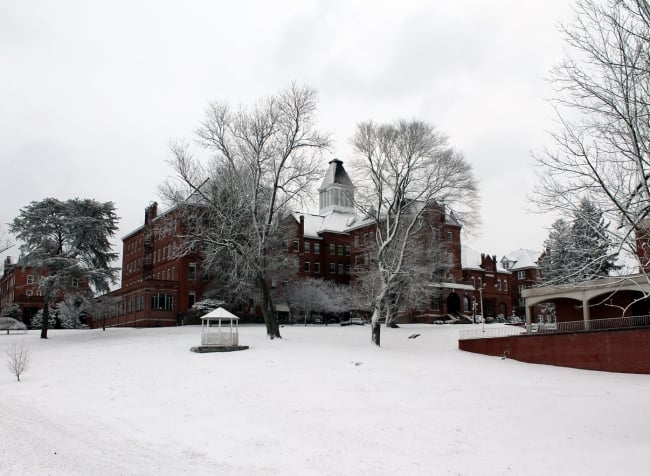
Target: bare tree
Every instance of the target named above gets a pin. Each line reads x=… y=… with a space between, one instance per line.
x=317 y=295
x=602 y=149
x=264 y=159
x=18 y=359
x=425 y=263
x=407 y=167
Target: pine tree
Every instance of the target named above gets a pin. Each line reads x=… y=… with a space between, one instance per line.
x=578 y=250
x=67 y=244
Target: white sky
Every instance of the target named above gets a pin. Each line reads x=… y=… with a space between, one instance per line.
x=91 y=93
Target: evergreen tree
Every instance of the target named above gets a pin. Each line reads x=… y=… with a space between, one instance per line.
x=37 y=319
x=67 y=244
x=578 y=250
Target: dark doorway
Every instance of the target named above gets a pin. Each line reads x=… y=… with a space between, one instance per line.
x=453 y=303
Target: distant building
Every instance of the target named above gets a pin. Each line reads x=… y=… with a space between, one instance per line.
x=19 y=286
x=334 y=245
x=523 y=264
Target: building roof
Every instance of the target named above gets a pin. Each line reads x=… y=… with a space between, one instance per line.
x=336 y=174
x=471 y=259
x=333 y=222
x=522 y=259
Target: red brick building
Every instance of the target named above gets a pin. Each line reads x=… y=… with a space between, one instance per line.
x=523 y=264
x=158 y=287
x=19 y=286
x=334 y=245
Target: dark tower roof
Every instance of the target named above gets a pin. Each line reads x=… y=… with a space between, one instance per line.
x=336 y=174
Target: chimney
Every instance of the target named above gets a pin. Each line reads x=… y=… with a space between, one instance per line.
x=150 y=212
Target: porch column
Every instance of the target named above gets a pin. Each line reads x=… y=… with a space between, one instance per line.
x=585 y=311
x=529 y=318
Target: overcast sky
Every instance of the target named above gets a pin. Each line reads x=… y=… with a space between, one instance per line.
x=92 y=92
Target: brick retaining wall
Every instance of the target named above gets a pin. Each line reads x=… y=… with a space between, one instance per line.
x=616 y=350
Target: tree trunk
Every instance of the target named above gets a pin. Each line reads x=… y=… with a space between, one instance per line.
x=376 y=333
x=46 y=319
x=270 y=319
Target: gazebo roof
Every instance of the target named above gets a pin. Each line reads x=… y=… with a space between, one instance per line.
x=220 y=313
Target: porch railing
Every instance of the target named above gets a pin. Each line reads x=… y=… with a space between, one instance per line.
x=557 y=328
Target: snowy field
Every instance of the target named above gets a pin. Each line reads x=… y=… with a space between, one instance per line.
x=321 y=401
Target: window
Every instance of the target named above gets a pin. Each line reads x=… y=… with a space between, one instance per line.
x=356 y=241
x=340 y=268
x=307 y=247
x=435 y=304
x=296 y=246
x=339 y=250
x=365 y=237
x=347 y=250
x=162 y=302
x=347 y=269
x=316 y=266
x=274 y=284
x=316 y=248
x=450 y=236
x=29 y=294
x=520 y=288
x=497 y=284
x=521 y=275
x=473 y=282
x=332 y=267
x=30 y=279
x=191 y=272
x=505 y=284
x=191 y=299
x=74 y=282
x=357 y=260
x=480 y=282
x=332 y=249
x=307 y=266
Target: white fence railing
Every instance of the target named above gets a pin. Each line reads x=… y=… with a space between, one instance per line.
x=557 y=328
x=491 y=332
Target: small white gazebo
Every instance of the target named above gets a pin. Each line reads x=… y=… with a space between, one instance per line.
x=213 y=333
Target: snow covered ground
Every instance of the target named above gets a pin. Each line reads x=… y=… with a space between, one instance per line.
x=321 y=401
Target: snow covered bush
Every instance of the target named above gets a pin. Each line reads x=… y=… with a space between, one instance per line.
x=11 y=324
x=37 y=319
x=69 y=312
x=206 y=305
x=12 y=310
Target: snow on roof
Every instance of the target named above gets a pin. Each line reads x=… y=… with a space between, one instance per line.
x=313 y=223
x=336 y=174
x=336 y=222
x=522 y=259
x=219 y=313
x=471 y=259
